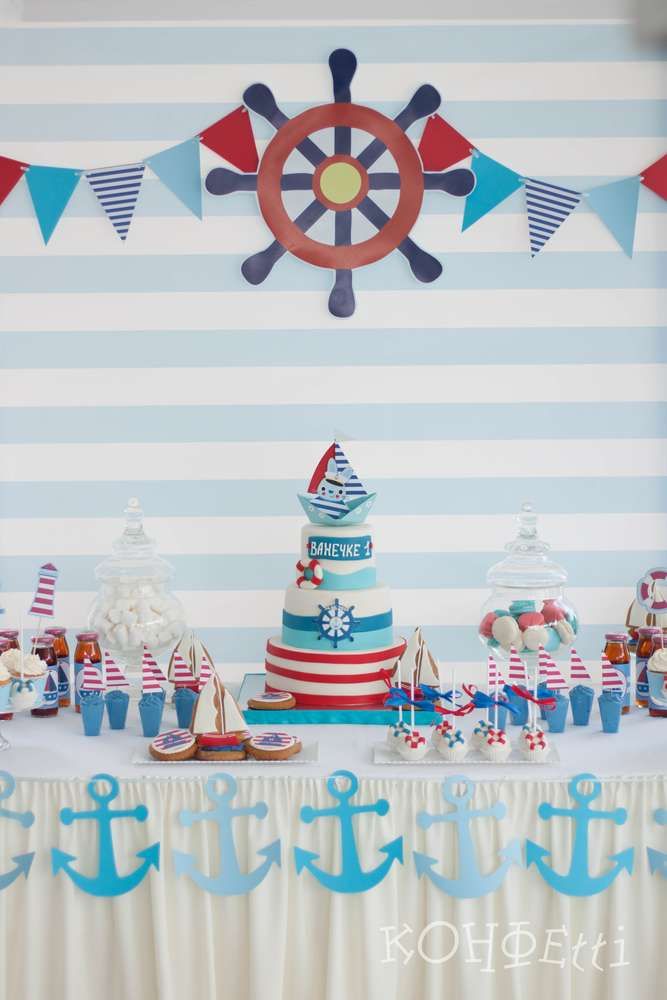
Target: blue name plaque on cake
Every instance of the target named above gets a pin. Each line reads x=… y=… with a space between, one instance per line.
x=343 y=549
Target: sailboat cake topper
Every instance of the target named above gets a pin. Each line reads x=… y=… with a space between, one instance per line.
x=335 y=492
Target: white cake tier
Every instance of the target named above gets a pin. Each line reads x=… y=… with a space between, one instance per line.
x=331 y=679
x=346 y=554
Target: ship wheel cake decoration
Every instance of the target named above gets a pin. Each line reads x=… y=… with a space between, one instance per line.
x=336 y=622
x=341 y=183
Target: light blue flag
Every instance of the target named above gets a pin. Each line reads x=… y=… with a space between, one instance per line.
x=178 y=169
x=50 y=189
x=616 y=204
x=494 y=183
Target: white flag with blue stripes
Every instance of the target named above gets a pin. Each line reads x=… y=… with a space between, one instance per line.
x=548 y=206
x=117 y=190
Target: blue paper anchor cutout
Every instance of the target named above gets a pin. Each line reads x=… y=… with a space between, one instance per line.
x=471 y=883
x=22 y=862
x=230 y=881
x=578 y=881
x=107 y=882
x=657 y=860
x=351 y=878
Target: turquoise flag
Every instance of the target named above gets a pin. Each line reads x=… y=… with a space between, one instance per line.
x=494 y=183
x=50 y=189
x=178 y=169
x=616 y=204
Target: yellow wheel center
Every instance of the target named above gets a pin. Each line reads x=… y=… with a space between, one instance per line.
x=340 y=182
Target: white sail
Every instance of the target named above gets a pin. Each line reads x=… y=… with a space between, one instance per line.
x=418 y=661
x=233 y=720
x=216 y=710
x=194 y=653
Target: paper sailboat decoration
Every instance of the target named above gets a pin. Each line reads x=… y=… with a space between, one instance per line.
x=216 y=710
x=612 y=679
x=494 y=678
x=92 y=678
x=417 y=662
x=578 y=671
x=517 y=670
x=335 y=492
x=193 y=651
x=149 y=664
x=179 y=672
x=114 y=675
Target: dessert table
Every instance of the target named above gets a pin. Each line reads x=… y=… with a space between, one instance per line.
x=290 y=936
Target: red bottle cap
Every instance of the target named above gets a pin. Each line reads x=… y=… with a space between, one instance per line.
x=87 y=637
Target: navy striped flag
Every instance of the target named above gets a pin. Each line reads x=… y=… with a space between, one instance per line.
x=117 y=190
x=548 y=206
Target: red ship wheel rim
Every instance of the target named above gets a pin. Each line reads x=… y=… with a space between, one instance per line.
x=289 y=235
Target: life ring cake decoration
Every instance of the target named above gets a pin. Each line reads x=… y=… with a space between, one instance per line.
x=311 y=574
x=337 y=646
x=652 y=590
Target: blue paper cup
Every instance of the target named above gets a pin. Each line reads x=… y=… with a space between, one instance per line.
x=117 y=705
x=543 y=692
x=502 y=717
x=92 y=713
x=521 y=706
x=611 y=703
x=581 y=700
x=557 y=716
x=184 y=703
x=151 y=707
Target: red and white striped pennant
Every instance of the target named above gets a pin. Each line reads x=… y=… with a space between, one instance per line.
x=181 y=671
x=612 y=679
x=114 y=675
x=578 y=671
x=543 y=662
x=205 y=671
x=149 y=682
x=92 y=678
x=555 y=680
x=493 y=674
x=517 y=671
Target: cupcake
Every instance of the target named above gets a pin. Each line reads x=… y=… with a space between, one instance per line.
x=535 y=746
x=413 y=746
x=28 y=678
x=497 y=746
x=396 y=732
x=440 y=731
x=480 y=733
x=453 y=746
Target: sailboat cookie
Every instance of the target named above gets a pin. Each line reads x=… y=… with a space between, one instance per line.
x=216 y=714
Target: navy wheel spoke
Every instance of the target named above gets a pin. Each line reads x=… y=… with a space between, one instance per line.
x=423 y=102
x=341 y=298
x=384 y=182
x=343 y=66
x=260 y=99
x=257 y=268
x=220 y=180
x=423 y=265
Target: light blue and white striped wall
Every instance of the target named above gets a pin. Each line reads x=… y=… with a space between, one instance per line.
x=152 y=369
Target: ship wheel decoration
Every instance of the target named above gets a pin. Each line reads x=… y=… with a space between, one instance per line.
x=341 y=183
x=336 y=622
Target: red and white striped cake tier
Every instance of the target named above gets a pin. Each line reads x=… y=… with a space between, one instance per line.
x=333 y=679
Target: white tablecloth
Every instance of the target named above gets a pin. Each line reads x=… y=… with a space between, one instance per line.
x=290 y=938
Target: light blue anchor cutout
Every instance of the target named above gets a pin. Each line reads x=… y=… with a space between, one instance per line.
x=657 y=860
x=578 y=881
x=22 y=862
x=471 y=883
x=230 y=881
x=351 y=878
x=107 y=882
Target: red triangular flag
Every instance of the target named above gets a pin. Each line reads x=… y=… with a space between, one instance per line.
x=11 y=172
x=655 y=176
x=232 y=138
x=441 y=145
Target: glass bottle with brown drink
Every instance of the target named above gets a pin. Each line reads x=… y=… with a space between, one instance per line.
x=42 y=646
x=62 y=652
x=617 y=652
x=87 y=647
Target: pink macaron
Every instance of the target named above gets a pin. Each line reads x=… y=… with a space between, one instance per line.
x=552 y=612
x=529 y=619
x=486 y=624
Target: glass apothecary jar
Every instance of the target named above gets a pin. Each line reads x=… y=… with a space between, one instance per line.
x=134 y=605
x=527 y=607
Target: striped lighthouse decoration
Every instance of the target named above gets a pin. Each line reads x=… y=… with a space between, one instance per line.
x=517 y=670
x=42 y=602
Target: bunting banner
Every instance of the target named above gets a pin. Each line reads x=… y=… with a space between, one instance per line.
x=616 y=204
x=548 y=206
x=179 y=169
x=117 y=190
x=50 y=189
x=441 y=145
